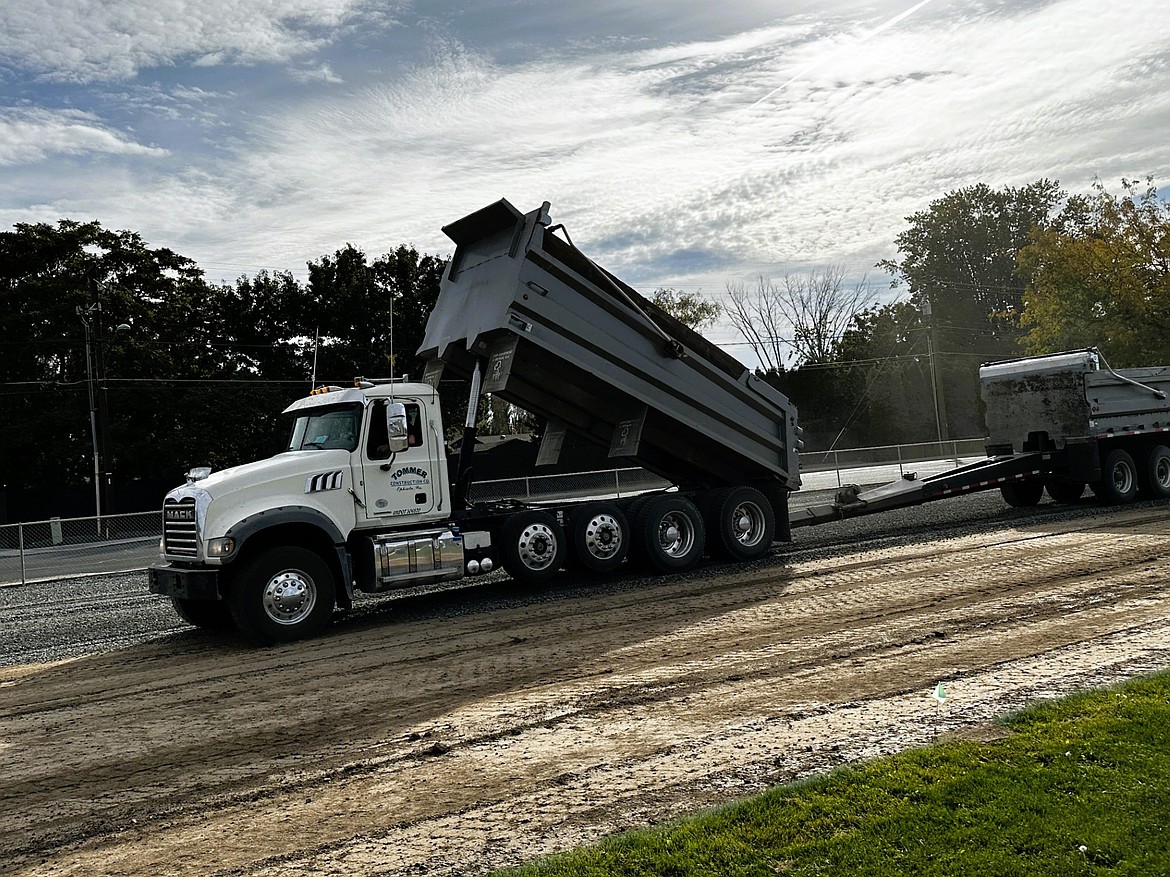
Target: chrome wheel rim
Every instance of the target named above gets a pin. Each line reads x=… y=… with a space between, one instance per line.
x=676 y=534
x=1162 y=473
x=289 y=597
x=537 y=547
x=603 y=536
x=1123 y=478
x=748 y=524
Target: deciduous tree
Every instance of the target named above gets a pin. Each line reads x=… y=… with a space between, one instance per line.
x=799 y=320
x=1100 y=277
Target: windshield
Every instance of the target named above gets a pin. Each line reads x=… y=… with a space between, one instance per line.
x=321 y=428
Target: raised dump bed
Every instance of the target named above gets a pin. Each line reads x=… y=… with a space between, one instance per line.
x=561 y=337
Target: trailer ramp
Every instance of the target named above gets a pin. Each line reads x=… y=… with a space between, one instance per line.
x=851 y=502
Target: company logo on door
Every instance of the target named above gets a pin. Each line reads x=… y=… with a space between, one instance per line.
x=410 y=478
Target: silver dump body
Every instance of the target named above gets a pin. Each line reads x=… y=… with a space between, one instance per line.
x=564 y=339
x=1068 y=396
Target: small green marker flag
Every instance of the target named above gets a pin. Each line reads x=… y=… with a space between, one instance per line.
x=939 y=693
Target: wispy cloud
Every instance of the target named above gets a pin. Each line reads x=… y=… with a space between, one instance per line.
x=114 y=39
x=718 y=155
x=29 y=134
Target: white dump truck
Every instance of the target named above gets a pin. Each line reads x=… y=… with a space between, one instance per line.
x=364 y=497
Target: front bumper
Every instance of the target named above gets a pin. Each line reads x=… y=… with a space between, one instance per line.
x=184 y=582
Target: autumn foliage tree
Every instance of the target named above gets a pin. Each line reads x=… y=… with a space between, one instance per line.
x=1100 y=277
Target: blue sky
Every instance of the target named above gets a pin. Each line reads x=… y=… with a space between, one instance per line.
x=683 y=144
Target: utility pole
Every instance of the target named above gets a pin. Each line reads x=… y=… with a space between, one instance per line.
x=936 y=386
x=86 y=314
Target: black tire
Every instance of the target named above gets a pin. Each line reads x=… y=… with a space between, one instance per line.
x=741 y=524
x=1064 y=491
x=669 y=534
x=208 y=614
x=1155 y=482
x=1119 y=479
x=282 y=595
x=1021 y=494
x=532 y=547
x=600 y=536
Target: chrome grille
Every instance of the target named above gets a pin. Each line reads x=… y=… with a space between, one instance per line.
x=180 y=532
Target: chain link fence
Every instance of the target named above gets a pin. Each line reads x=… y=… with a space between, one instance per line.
x=65 y=547
x=851 y=458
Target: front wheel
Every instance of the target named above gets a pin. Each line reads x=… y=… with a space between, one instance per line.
x=282 y=595
x=669 y=533
x=1119 y=482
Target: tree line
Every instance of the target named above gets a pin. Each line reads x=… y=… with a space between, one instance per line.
x=981 y=274
x=184 y=371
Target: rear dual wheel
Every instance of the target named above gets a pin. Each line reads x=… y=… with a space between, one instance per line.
x=1119 y=478
x=669 y=533
x=533 y=547
x=1022 y=494
x=1154 y=480
x=741 y=523
x=1064 y=491
x=600 y=537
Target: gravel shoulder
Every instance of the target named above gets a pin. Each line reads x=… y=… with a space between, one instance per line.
x=459 y=731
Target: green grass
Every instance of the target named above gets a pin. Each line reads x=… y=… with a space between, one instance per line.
x=1080 y=786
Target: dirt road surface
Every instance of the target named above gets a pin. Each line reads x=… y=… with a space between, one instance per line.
x=467 y=741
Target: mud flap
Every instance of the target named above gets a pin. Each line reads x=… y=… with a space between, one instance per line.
x=551 y=443
x=627 y=434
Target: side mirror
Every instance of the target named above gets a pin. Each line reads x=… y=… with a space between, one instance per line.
x=396 y=427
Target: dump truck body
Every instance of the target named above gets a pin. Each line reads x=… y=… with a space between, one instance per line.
x=564 y=339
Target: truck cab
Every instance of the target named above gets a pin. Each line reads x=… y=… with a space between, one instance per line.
x=359 y=498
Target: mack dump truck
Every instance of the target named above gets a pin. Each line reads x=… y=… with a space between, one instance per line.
x=365 y=498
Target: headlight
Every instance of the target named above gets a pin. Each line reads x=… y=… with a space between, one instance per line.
x=221 y=547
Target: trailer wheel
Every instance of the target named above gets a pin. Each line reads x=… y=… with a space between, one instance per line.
x=1064 y=491
x=601 y=537
x=1156 y=483
x=208 y=614
x=533 y=547
x=670 y=533
x=1119 y=481
x=740 y=522
x=1021 y=494
x=282 y=595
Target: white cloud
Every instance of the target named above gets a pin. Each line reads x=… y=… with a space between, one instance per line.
x=661 y=152
x=102 y=40
x=30 y=135
x=657 y=159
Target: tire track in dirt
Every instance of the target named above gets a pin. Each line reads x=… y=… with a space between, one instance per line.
x=391 y=748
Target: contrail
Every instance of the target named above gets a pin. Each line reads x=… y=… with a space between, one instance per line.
x=901 y=16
